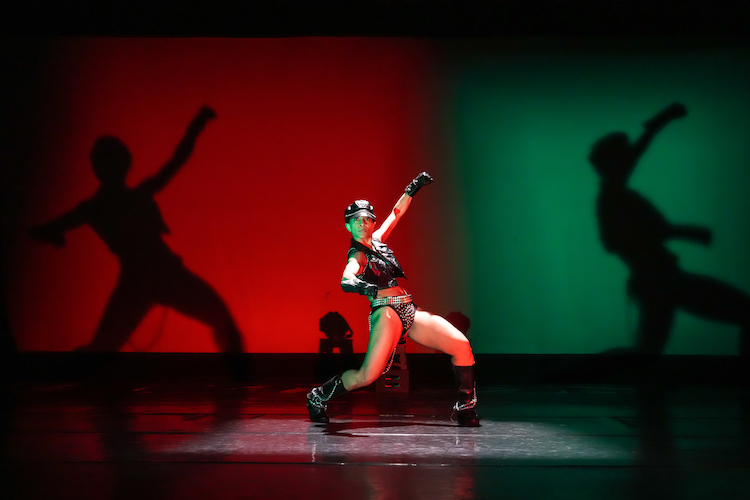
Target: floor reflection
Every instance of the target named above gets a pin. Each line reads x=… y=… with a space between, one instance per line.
x=256 y=442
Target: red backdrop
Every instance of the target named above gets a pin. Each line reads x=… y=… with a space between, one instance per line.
x=304 y=126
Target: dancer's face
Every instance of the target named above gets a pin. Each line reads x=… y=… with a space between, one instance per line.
x=360 y=227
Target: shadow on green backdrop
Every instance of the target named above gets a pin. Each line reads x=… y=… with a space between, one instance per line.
x=523 y=118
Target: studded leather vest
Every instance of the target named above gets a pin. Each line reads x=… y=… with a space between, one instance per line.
x=382 y=267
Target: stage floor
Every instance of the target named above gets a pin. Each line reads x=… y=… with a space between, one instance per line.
x=177 y=440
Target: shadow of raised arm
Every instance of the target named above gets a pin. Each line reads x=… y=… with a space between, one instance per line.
x=181 y=154
x=655 y=124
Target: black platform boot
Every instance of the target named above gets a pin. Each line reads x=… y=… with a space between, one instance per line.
x=319 y=396
x=464 y=411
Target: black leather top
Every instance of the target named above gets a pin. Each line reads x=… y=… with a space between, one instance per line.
x=382 y=267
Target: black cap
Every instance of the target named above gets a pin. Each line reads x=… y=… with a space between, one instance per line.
x=360 y=208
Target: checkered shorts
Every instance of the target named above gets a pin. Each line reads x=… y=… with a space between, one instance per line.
x=406 y=311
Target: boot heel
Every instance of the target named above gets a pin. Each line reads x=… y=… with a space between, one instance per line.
x=319 y=396
x=464 y=411
x=317 y=413
x=466 y=418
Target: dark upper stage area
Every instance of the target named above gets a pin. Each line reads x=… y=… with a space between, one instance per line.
x=378 y=18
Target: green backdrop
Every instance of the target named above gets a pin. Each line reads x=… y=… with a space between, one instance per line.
x=521 y=119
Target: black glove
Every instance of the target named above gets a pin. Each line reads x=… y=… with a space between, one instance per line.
x=421 y=180
x=360 y=287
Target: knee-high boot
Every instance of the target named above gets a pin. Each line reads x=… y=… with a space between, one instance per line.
x=319 y=396
x=464 y=411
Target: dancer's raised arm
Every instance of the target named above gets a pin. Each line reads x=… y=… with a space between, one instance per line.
x=401 y=206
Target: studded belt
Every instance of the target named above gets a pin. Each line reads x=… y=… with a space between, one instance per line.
x=391 y=301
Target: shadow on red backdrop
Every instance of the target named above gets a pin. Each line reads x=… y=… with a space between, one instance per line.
x=303 y=126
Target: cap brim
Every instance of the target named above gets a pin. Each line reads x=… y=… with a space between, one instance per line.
x=361 y=213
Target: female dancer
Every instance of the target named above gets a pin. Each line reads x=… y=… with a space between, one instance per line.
x=372 y=270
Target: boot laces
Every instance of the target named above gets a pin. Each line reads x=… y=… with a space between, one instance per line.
x=469 y=405
x=316 y=399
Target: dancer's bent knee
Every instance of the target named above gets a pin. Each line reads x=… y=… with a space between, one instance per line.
x=463 y=356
